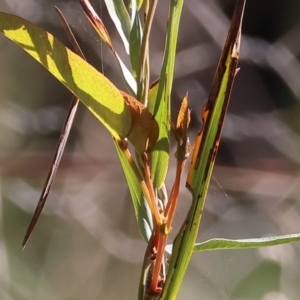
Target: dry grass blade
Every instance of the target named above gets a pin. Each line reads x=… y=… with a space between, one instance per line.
x=62 y=139
x=96 y=22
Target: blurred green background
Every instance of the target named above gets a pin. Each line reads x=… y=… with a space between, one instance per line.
x=86 y=244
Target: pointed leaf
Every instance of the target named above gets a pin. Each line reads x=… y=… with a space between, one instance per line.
x=205 y=151
x=135 y=44
x=141 y=209
x=115 y=110
x=100 y=28
x=96 y=21
x=119 y=15
x=160 y=105
x=101 y=97
x=226 y=244
x=129 y=80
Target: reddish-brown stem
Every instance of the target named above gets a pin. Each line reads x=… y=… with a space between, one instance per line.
x=161 y=232
x=158 y=217
x=145 y=187
x=173 y=199
x=160 y=240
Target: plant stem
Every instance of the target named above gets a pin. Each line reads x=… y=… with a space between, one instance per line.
x=143 y=77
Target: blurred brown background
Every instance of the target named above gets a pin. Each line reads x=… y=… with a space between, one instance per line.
x=86 y=244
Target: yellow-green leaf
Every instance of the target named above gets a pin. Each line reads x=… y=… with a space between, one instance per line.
x=98 y=25
x=120 y=113
x=101 y=97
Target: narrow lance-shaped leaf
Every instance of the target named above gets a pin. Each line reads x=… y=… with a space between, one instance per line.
x=119 y=15
x=101 y=97
x=119 y=112
x=226 y=244
x=135 y=43
x=100 y=28
x=236 y=244
x=159 y=102
x=205 y=151
x=135 y=182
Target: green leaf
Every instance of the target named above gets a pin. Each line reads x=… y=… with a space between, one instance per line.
x=135 y=44
x=226 y=244
x=231 y=244
x=120 y=113
x=100 y=28
x=119 y=15
x=205 y=151
x=159 y=105
x=100 y=96
x=129 y=80
x=141 y=209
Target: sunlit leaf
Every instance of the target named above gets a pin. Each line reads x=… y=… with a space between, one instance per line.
x=119 y=15
x=100 y=28
x=114 y=109
x=101 y=97
x=129 y=80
